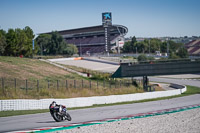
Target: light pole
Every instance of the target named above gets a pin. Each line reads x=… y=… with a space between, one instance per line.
x=136 y=50
x=168 y=47
x=80 y=47
x=149 y=46
x=33 y=47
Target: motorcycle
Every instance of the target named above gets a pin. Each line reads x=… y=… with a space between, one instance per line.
x=59 y=113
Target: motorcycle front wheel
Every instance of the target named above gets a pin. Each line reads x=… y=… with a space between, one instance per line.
x=68 y=117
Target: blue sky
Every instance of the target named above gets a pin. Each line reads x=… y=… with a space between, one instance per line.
x=144 y=18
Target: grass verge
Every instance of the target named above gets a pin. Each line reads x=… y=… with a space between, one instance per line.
x=190 y=91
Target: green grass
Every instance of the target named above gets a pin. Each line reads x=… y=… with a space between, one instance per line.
x=21 y=112
x=191 y=90
x=23 y=69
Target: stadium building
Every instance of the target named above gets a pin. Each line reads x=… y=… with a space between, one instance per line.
x=91 y=40
x=100 y=39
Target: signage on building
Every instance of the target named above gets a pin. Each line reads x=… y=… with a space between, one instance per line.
x=106 y=16
x=107 y=22
x=106 y=19
x=121 y=43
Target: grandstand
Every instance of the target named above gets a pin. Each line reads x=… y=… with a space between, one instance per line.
x=193 y=47
x=91 y=40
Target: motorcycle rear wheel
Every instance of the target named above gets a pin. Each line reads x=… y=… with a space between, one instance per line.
x=57 y=117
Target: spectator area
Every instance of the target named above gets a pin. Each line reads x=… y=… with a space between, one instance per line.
x=92 y=39
x=193 y=47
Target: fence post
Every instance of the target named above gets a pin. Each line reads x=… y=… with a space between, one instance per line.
x=120 y=83
x=75 y=84
x=26 y=86
x=3 y=85
x=103 y=83
x=115 y=84
x=110 y=84
x=97 y=84
x=132 y=80
x=82 y=84
x=57 y=84
x=66 y=84
x=48 y=84
x=90 y=84
x=37 y=85
x=15 y=85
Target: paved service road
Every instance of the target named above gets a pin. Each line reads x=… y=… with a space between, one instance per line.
x=176 y=81
x=91 y=65
x=25 y=122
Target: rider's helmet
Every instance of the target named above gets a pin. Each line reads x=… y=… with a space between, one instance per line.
x=53 y=103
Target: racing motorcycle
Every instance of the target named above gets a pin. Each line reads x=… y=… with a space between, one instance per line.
x=59 y=112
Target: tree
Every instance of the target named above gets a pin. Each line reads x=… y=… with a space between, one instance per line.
x=53 y=44
x=141 y=46
x=163 y=47
x=11 y=39
x=30 y=36
x=182 y=53
x=56 y=43
x=3 y=43
x=155 y=45
x=70 y=49
x=133 y=42
x=130 y=46
x=44 y=42
x=19 y=42
x=173 y=56
x=127 y=47
x=142 y=57
x=29 y=33
x=173 y=46
x=22 y=45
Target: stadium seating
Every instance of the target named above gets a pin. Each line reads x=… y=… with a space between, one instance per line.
x=92 y=39
x=93 y=44
x=193 y=47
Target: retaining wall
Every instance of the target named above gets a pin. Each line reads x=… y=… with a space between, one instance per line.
x=31 y=104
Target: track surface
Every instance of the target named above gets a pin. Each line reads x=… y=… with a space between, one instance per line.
x=26 y=122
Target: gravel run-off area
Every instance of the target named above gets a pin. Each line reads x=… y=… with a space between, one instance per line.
x=181 y=122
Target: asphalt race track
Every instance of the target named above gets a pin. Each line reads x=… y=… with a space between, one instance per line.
x=27 y=122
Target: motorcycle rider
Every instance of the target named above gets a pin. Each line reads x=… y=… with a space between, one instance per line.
x=54 y=105
x=62 y=109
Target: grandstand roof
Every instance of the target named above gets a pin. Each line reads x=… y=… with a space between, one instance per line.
x=82 y=30
x=94 y=30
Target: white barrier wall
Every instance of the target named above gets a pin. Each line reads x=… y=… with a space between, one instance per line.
x=30 y=104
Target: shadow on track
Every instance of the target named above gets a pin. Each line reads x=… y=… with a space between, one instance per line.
x=47 y=122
